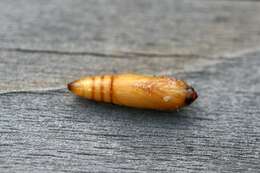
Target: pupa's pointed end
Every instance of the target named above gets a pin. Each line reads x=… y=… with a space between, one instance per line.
x=70 y=86
x=74 y=86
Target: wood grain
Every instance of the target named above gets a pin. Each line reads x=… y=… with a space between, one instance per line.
x=54 y=131
x=46 y=44
x=187 y=27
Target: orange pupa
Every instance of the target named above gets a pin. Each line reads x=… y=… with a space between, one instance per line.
x=133 y=90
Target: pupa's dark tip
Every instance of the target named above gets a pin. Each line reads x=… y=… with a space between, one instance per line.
x=191 y=96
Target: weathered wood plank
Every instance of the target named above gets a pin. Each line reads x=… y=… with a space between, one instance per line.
x=54 y=131
x=109 y=26
x=36 y=71
x=45 y=44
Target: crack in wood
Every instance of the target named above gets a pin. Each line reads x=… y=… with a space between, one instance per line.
x=40 y=91
x=119 y=54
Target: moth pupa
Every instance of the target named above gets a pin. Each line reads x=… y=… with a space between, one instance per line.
x=133 y=90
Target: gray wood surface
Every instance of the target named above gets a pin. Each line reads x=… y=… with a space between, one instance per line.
x=215 y=45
